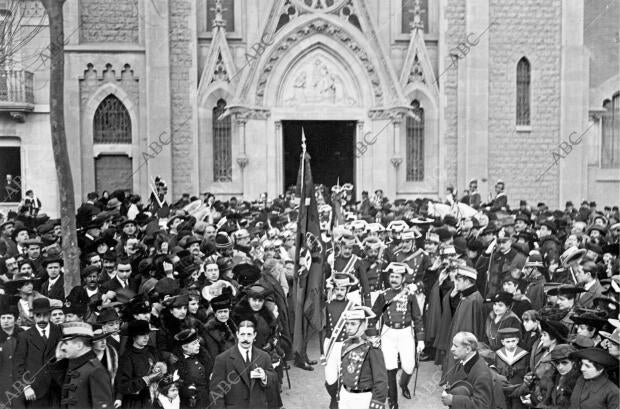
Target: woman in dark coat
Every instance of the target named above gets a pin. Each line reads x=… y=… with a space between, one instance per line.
x=219 y=331
x=500 y=317
x=531 y=327
x=564 y=378
x=8 y=342
x=174 y=319
x=593 y=389
x=138 y=369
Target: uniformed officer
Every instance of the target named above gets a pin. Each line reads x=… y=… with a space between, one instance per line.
x=195 y=366
x=396 y=228
x=409 y=255
x=401 y=316
x=348 y=262
x=371 y=270
x=87 y=383
x=362 y=368
x=335 y=332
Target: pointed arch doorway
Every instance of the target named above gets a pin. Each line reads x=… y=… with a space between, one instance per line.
x=331 y=145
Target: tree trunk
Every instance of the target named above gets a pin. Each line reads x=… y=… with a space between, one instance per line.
x=70 y=248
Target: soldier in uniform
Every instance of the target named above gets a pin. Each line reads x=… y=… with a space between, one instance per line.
x=396 y=228
x=362 y=368
x=415 y=259
x=336 y=305
x=371 y=270
x=347 y=262
x=195 y=366
x=87 y=383
x=401 y=316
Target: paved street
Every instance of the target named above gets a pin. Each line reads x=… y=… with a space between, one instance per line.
x=308 y=390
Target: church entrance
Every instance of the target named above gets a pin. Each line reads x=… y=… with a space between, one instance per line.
x=331 y=147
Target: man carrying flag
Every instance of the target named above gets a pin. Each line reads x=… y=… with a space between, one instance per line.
x=308 y=281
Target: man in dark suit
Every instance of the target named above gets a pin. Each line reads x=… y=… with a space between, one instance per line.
x=121 y=280
x=586 y=275
x=88 y=209
x=54 y=286
x=472 y=369
x=33 y=359
x=242 y=374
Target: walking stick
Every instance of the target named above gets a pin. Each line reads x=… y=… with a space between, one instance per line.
x=288 y=379
x=417 y=369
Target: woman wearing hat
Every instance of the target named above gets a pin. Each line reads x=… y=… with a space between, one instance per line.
x=500 y=317
x=106 y=354
x=594 y=389
x=556 y=391
x=220 y=329
x=174 y=319
x=8 y=342
x=22 y=285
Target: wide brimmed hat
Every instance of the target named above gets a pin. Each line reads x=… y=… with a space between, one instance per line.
x=566 y=290
x=613 y=337
x=246 y=273
x=359 y=312
x=609 y=305
x=555 y=329
x=209 y=292
x=562 y=351
x=343 y=280
x=398 y=268
x=76 y=329
x=138 y=327
x=107 y=315
x=461 y=388
x=50 y=260
x=257 y=291
x=597 y=355
x=186 y=336
x=502 y=296
x=20 y=279
x=591 y=320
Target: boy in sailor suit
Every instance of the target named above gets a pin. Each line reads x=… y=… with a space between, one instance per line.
x=512 y=361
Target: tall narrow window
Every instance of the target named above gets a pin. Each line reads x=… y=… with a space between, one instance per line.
x=222 y=145
x=228 y=14
x=112 y=123
x=415 y=144
x=523 y=92
x=610 y=154
x=407 y=15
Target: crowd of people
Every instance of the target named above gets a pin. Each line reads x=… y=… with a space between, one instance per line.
x=191 y=304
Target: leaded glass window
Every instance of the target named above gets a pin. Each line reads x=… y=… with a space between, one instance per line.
x=112 y=123
x=523 y=92
x=415 y=144
x=222 y=144
x=610 y=154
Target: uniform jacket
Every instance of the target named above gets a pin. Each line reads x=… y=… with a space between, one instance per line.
x=597 y=393
x=362 y=368
x=33 y=352
x=231 y=386
x=478 y=374
x=87 y=384
x=195 y=372
x=334 y=310
x=399 y=311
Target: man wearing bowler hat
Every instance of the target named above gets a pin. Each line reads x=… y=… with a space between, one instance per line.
x=87 y=383
x=33 y=359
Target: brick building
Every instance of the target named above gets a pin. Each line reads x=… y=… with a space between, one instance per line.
x=405 y=95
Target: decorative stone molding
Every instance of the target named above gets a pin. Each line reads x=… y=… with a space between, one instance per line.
x=333 y=31
x=243 y=161
x=394 y=114
x=243 y=114
x=396 y=161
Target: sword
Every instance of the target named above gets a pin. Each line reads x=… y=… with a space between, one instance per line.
x=417 y=368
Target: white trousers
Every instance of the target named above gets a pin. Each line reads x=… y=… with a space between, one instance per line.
x=333 y=362
x=396 y=342
x=350 y=400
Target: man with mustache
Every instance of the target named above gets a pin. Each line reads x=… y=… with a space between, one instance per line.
x=401 y=316
x=371 y=268
x=243 y=374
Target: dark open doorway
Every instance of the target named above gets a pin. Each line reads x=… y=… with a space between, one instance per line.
x=331 y=148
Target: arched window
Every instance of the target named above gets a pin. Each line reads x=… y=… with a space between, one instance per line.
x=415 y=144
x=523 y=92
x=610 y=123
x=407 y=8
x=222 y=144
x=112 y=123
